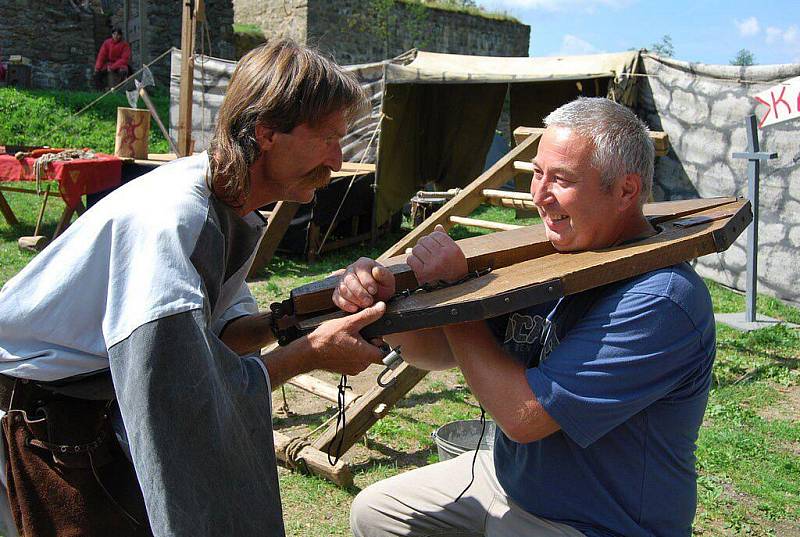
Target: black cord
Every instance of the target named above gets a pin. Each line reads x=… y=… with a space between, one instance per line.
x=475 y=456
x=340 y=419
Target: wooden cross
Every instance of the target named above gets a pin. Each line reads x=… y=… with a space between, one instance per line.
x=754 y=157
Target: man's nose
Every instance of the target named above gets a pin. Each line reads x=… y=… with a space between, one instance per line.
x=540 y=192
x=333 y=159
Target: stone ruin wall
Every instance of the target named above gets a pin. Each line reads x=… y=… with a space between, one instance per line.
x=351 y=34
x=62 y=41
x=703 y=110
x=57 y=38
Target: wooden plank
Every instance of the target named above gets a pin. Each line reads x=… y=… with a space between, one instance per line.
x=367 y=410
x=63 y=223
x=5 y=188
x=495 y=250
x=521 y=133
x=510 y=199
x=315 y=460
x=7 y=211
x=485 y=224
x=282 y=216
x=509 y=194
x=470 y=197
x=525 y=167
x=668 y=210
x=351 y=167
x=320 y=388
x=188 y=25
x=574 y=272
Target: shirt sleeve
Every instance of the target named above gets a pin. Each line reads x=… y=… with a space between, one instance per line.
x=627 y=352
x=242 y=304
x=198 y=420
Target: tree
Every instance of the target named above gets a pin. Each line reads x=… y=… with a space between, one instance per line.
x=663 y=47
x=744 y=57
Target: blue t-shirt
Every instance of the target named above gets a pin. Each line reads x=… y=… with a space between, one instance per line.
x=628 y=383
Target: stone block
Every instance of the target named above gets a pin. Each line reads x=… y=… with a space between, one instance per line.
x=702 y=146
x=729 y=110
x=689 y=107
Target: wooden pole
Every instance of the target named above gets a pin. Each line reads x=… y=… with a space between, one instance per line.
x=153 y=112
x=188 y=25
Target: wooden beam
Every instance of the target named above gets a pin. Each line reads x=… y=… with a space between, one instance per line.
x=277 y=225
x=470 y=197
x=495 y=250
x=524 y=167
x=7 y=211
x=557 y=274
x=315 y=460
x=366 y=411
x=153 y=112
x=510 y=199
x=320 y=388
x=485 y=224
x=188 y=28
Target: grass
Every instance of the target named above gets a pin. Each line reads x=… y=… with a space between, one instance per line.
x=748 y=450
x=45 y=117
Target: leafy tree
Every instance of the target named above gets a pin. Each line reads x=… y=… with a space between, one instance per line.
x=664 y=47
x=744 y=57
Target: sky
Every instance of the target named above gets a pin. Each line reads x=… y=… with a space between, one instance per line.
x=706 y=31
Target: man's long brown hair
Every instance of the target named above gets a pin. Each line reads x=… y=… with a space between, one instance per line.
x=280 y=85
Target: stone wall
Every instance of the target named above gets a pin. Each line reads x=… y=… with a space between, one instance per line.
x=162 y=29
x=62 y=40
x=703 y=109
x=356 y=31
x=276 y=18
x=362 y=31
x=55 y=36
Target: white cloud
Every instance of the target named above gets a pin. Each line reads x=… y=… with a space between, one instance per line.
x=789 y=36
x=773 y=34
x=571 y=44
x=748 y=27
x=587 y=6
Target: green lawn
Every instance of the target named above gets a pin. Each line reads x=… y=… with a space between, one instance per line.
x=749 y=446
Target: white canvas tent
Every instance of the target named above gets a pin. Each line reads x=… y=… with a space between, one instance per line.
x=433 y=116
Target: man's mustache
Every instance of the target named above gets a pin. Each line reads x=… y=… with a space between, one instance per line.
x=319 y=176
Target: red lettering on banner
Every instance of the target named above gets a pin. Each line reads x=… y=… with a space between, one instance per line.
x=769 y=109
x=780 y=100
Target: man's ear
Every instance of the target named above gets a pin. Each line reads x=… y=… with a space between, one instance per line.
x=629 y=189
x=265 y=136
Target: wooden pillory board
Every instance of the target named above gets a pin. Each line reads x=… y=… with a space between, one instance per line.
x=525 y=270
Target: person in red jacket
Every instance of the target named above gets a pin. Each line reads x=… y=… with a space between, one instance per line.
x=111 y=66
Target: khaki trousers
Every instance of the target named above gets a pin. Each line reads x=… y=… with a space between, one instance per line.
x=420 y=503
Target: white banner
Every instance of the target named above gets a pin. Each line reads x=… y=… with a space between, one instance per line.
x=782 y=102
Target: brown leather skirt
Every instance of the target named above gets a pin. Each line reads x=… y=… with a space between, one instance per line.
x=67 y=475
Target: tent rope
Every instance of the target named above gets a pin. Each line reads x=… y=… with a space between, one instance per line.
x=350 y=185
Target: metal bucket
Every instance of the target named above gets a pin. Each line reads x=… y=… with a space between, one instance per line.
x=457 y=437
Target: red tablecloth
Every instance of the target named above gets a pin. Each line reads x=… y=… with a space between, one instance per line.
x=75 y=177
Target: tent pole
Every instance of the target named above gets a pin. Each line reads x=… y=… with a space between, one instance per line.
x=188 y=23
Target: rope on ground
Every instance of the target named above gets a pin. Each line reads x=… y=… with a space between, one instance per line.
x=293 y=459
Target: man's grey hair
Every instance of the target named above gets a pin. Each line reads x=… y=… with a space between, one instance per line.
x=621 y=140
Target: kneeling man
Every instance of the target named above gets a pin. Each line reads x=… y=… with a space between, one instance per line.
x=598 y=397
